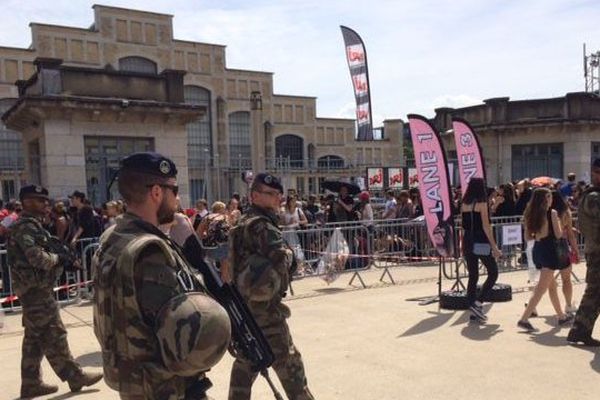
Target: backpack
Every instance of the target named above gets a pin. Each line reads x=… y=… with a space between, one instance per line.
x=217 y=232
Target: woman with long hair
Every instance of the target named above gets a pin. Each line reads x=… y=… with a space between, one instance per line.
x=478 y=244
x=566 y=221
x=233 y=211
x=542 y=224
x=292 y=218
x=213 y=231
x=60 y=218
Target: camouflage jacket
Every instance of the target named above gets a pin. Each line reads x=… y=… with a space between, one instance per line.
x=136 y=271
x=588 y=216
x=31 y=265
x=261 y=259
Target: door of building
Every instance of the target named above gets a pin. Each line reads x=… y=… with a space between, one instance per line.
x=102 y=158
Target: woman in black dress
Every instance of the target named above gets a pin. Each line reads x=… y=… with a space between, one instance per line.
x=478 y=244
x=542 y=224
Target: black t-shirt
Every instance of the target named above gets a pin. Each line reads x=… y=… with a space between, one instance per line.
x=87 y=221
x=340 y=213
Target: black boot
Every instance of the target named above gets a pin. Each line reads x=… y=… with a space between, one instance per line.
x=31 y=391
x=576 y=337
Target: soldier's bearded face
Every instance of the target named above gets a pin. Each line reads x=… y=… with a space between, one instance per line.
x=166 y=211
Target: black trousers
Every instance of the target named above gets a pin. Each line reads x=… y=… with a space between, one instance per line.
x=490 y=264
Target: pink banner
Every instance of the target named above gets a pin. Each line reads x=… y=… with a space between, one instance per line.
x=434 y=184
x=468 y=152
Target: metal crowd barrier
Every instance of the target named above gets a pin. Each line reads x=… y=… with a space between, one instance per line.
x=70 y=287
x=309 y=246
x=513 y=253
x=382 y=244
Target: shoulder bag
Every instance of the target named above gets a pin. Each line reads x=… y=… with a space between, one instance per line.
x=479 y=248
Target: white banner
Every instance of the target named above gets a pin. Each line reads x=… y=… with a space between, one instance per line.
x=512 y=234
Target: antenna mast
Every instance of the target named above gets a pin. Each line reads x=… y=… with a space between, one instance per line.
x=591 y=71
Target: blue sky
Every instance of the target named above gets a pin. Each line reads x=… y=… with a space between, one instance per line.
x=422 y=54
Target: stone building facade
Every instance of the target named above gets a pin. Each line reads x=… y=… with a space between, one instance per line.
x=245 y=127
x=529 y=138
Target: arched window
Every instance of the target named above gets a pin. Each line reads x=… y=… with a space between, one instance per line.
x=290 y=147
x=330 y=162
x=137 y=64
x=240 y=142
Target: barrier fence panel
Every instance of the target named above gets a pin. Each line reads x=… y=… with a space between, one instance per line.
x=69 y=286
x=383 y=244
x=310 y=248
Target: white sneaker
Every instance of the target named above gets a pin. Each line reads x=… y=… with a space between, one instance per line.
x=571 y=310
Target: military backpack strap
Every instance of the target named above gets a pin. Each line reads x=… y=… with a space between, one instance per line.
x=237 y=243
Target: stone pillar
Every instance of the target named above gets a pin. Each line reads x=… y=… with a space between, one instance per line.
x=63 y=160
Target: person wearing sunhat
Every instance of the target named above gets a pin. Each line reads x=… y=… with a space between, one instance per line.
x=33 y=270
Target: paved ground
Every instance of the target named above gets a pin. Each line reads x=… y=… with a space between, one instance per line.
x=373 y=344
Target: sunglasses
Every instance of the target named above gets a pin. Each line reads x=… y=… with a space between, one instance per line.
x=174 y=188
x=269 y=193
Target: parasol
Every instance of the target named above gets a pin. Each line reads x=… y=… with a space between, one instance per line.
x=335 y=186
x=541 y=181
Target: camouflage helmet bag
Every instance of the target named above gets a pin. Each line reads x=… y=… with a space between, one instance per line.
x=193 y=332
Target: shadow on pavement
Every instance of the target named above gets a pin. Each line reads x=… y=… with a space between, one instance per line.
x=595 y=363
x=330 y=290
x=437 y=320
x=480 y=332
x=90 y=359
x=69 y=395
x=464 y=318
x=550 y=337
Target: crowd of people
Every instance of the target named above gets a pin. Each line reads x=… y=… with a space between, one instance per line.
x=75 y=218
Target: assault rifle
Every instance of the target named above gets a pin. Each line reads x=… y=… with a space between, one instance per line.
x=247 y=338
x=67 y=256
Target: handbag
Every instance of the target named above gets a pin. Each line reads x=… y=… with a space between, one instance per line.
x=482 y=249
x=479 y=248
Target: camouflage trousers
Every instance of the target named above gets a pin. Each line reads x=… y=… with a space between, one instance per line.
x=589 y=307
x=288 y=365
x=45 y=335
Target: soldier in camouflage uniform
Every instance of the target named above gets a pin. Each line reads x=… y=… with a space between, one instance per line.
x=588 y=215
x=158 y=330
x=262 y=264
x=34 y=270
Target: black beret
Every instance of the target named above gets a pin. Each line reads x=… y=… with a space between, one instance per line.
x=150 y=163
x=268 y=180
x=33 y=191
